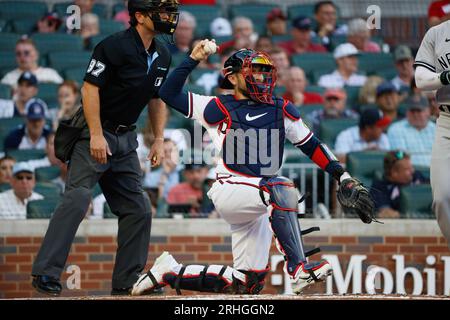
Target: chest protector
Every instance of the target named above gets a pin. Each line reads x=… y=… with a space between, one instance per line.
x=255 y=135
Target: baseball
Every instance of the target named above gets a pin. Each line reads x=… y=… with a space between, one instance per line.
x=210 y=47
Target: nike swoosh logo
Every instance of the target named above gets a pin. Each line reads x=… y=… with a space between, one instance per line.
x=249 y=118
x=447 y=40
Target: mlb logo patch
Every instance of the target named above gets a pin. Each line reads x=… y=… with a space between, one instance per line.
x=158 y=81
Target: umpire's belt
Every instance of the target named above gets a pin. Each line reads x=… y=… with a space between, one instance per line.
x=444 y=108
x=117 y=128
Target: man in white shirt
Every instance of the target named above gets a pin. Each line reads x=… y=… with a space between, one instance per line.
x=27 y=57
x=27 y=88
x=13 y=203
x=346 y=56
x=368 y=135
x=404 y=61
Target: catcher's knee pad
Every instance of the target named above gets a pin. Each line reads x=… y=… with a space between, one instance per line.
x=284 y=198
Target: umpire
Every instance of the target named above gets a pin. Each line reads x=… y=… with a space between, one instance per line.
x=124 y=74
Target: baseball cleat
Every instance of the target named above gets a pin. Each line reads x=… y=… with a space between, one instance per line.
x=153 y=279
x=310 y=273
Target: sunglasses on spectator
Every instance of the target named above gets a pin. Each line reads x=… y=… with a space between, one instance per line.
x=25 y=53
x=24 y=177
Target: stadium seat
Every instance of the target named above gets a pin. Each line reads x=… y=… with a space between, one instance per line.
x=223 y=39
x=314 y=61
x=352 y=95
x=108 y=27
x=96 y=40
x=372 y=63
x=316 y=89
x=47 y=43
x=48 y=92
x=424 y=170
x=76 y=74
x=307 y=109
x=203 y=13
x=23 y=26
x=281 y=38
x=99 y=9
x=28 y=154
x=41 y=209
x=256 y=12
x=69 y=59
x=8 y=42
x=177 y=59
x=364 y=164
x=47 y=174
x=6 y=125
x=197 y=73
x=415 y=202
x=5 y=91
x=194 y=88
x=48 y=190
x=13 y=10
x=202 y=29
x=117 y=8
x=329 y=129
x=3 y=25
x=4 y=187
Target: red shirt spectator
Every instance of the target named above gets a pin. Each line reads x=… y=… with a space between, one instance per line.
x=295 y=82
x=308 y=98
x=438 y=11
x=184 y=193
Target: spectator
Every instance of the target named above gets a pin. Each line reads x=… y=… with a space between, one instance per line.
x=326 y=19
x=27 y=88
x=359 y=36
x=388 y=99
x=301 y=38
x=90 y=27
x=13 y=203
x=220 y=27
x=6 y=166
x=296 y=82
x=184 y=34
x=404 y=62
x=244 y=35
x=32 y=134
x=281 y=61
x=123 y=16
x=334 y=108
x=264 y=44
x=276 y=23
x=415 y=134
x=346 y=56
x=27 y=57
x=368 y=135
x=368 y=92
x=68 y=102
x=86 y=6
x=49 y=23
x=398 y=173
x=438 y=11
x=189 y=193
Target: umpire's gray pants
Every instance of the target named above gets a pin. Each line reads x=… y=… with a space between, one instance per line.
x=120 y=181
x=440 y=174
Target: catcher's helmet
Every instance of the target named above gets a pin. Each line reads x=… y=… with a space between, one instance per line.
x=250 y=63
x=154 y=8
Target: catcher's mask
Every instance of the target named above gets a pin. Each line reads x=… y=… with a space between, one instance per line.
x=258 y=71
x=154 y=9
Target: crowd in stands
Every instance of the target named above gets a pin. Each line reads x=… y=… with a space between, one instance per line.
x=334 y=71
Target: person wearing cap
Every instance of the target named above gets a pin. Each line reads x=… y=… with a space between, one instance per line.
x=49 y=23
x=220 y=27
x=334 y=108
x=398 y=173
x=184 y=34
x=404 y=63
x=244 y=35
x=388 y=100
x=301 y=38
x=368 y=135
x=281 y=61
x=27 y=59
x=415 y=134
x=27 y=88
x=190 y=192
x=295 y=82
x=33 y=134
x=276 y=23
x=346 y=56
x=359 y=35
x=13 y=203
x=438 y=12
x=325 y=15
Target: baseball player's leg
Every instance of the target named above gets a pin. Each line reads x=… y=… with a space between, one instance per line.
x=123 y=191
x=83 y=174
x=440 y=174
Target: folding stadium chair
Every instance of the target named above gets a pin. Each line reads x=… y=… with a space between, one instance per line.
x=415 y=202
x=25 y=155
x=108 y=27
x=13 y=10
x=8 y=43
x=99 y=9
x=309 y=108
x=329 y=129
x=3 y=23
x=314 y=61
x=352 y=95
x=5 y=91
x=23 y=26
x=48 y=190
x=256 y=12
x=6 y=125
x=41 y=209
x=68 y=59
x=47 y=174
x=364 y=164
x=48 y=43
x=75 y=74
x=203 y=13
x=371 y=63
x=48 y=92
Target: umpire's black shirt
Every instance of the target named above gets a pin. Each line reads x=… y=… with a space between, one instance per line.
x=120 y=68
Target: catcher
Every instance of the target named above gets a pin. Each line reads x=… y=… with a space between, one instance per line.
x=248 y=192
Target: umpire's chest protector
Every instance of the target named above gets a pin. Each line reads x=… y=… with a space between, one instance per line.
x=254 y=141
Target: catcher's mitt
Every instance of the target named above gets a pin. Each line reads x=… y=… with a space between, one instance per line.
x=355 y=199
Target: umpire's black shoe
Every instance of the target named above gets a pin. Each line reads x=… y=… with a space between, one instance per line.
x=47 y=285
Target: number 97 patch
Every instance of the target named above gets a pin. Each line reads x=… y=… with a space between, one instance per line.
x=96 y=68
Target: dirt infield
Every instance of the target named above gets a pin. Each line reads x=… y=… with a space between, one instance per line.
x=254 y=297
